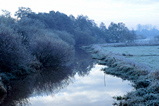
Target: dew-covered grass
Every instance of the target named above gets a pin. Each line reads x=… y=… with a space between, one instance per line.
x=148 y=55
x=134 y=63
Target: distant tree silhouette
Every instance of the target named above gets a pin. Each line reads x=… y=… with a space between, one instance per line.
x=22 y=12
x=120 y=33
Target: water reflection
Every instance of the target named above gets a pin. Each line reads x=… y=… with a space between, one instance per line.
x=43 y=83
x=77 y=84
x=47 y=81
x=86 y=91
x=82 y=62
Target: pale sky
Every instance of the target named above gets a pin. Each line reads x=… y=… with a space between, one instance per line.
x=130 y=12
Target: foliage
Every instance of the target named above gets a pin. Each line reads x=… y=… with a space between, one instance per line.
x=65 y=36
x=83 y=27
x=120 y=33
x=50 y=52
x=13 y=54
x=49 y=39
x=157 y=38
x=8 y=21
x=6 y=13
x=83 y=38
x=22 y=12
x=29 y=28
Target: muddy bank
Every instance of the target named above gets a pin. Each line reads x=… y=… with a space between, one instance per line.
x=145 y=80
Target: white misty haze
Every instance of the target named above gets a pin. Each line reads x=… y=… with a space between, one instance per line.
x=130 y=12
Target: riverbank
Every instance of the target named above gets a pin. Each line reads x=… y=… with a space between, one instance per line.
x=145 y=78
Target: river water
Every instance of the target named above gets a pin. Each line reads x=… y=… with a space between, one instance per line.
x=91 y=90
x=84 y=85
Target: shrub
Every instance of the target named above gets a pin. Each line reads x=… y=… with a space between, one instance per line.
x=50 y=52
x=13 y=55
x=6 y=20
x=66 y=37
x=83 y=38
x=28 y=29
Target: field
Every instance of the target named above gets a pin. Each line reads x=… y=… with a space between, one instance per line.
x=146 y=55
x=138 y=64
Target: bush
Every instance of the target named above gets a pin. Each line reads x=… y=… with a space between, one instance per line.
x=13 y=55
x=6 y=20
x=83 y=38
x=66 y=37
x=50 y=52
x=28 y=29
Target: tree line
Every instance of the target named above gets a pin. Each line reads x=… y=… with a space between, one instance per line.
x=147 y=32
x=34 y=41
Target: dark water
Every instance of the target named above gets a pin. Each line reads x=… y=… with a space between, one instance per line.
x=82 y=84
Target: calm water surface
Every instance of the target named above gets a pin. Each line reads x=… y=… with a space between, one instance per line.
x=96 y=89
x=82 y=84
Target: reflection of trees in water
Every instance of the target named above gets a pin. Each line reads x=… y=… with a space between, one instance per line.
x=47 y=81
x=51 y=82
x=43 y=83
x=83 y=62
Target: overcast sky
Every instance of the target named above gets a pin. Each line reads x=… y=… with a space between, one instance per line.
x=131 y=12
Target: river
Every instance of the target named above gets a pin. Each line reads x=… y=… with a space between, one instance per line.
x=84 y=84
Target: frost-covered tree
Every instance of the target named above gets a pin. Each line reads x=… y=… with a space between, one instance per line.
x=157 y=38
x=13 y=55
x=22 y=12
x=102 y=26
x=120 y=33
x=6 y=13
x=51 y=52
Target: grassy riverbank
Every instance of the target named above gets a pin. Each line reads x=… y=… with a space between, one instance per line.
x=148 y=55
x=137 y=64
